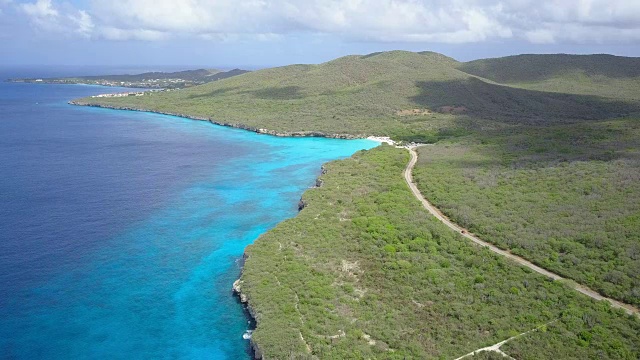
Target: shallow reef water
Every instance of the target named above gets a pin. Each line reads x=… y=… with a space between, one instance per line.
x=121 y=233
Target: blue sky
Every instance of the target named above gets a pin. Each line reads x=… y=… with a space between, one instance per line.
x=260 y=33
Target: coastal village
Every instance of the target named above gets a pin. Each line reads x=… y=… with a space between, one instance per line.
x=125 y=94
x=138 y=93
x=143 y=83
x=130 y=93
x=147 y=83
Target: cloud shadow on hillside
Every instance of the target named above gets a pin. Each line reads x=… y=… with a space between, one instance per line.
x=276 y=93
x=214 y=93
x=518 y=106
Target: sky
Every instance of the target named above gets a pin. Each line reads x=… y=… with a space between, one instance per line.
x=262 y=33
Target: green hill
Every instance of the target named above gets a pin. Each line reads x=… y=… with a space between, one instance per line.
x=537 y=154
x=602 y=75
x=532 y=68
x=365 y=272
x=354 y=95
x=512 y=135
x=398 y=93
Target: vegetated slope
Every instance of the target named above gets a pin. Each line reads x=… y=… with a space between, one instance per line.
x=533 y=68
x=364 y=271
x=408 y=95
x=516 y=106
x=427 y=98
x=566 y=197
x=563 y=194
x=603 y=75
x=350 y=95
x=215 y=76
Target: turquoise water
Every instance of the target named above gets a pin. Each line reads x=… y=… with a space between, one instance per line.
x=121 y=233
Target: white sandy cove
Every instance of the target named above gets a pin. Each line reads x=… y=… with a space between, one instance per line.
x=382 y=139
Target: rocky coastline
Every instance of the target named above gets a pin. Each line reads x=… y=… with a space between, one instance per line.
x=244 y=298
x=256 y=352
x=251 y=314
x=232 y=125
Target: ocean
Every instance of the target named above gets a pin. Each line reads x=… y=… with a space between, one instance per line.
x=121 y=233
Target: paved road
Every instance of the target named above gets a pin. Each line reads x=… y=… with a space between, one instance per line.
x=435 y=212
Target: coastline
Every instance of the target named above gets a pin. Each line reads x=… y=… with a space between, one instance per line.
x=78 y=84
x=236 y=289
x=238 y=125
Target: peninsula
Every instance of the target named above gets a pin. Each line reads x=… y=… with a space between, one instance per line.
x=159 y=80
x=538 y=155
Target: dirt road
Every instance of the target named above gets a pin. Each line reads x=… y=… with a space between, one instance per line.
x=435 y=212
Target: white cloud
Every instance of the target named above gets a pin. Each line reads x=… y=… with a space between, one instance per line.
x=386 y=20
x=446 y=21
x=50 y=17
x=40 y=9
x=83 y=23
x=228 y=37
x=440 y=21
x=579 y=21
x=42 y=14
x=112 y=33
x=540 y=36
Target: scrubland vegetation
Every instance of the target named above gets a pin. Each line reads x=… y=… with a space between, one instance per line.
x=603 y=75
x=351 y=95
x=567 y=198
x=365 y=95
x=365 y=272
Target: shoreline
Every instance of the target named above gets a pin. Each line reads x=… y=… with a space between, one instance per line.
x=250 y=314
x=236 y=289
x=320 y=134
x=18 y=81
x=383 y=140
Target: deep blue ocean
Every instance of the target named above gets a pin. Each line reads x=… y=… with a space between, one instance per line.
x=121 y=233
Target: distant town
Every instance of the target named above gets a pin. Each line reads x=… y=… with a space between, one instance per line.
x=144 y=83
x=150 y=80
x=138 y=93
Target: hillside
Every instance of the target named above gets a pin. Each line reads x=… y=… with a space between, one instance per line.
x=533 y=68
x=565 y=197
x=602 y=75
x=544 y=164
x=364 y=272
x=353 y=95
x=399 y=93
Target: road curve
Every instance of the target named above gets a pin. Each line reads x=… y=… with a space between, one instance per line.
x=435 y=212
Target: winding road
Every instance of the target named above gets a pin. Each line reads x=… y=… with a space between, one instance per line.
x=435 y=212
